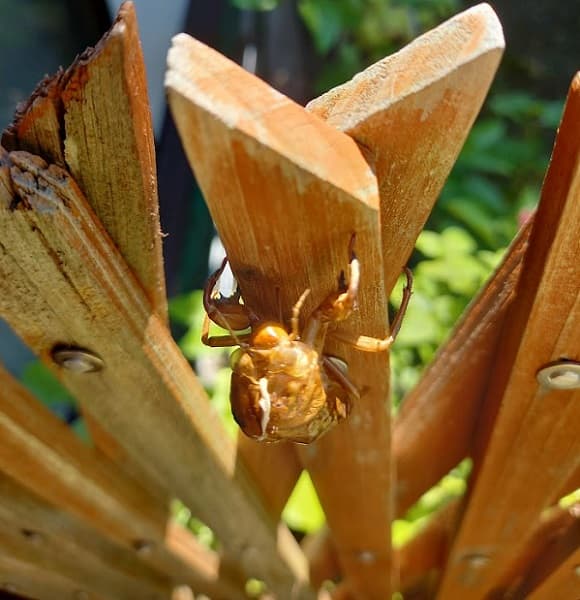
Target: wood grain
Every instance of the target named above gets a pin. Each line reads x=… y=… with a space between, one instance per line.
x=45 y=536
x=411 y=113
x=525 y=429
x=434 y=429
x=58 y=264
x=44 y=456
x=263 y=166
x=286 y=192
x=94 y=119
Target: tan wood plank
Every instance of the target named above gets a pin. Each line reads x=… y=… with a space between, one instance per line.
x=434 y=429
x=410 y=113
x=286 y=193
x=94 y=119
x=46 y=536
x=43 y=455
x=527 y=429
x=57 y=264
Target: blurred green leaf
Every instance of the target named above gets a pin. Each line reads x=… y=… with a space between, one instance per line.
x=255 y=4
x=303 y=511
x=45 y=386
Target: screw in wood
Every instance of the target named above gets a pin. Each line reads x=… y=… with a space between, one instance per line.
x=77 y=360
x=560 y=375
x=34 y=537
x=143 y=547
x=366 y=557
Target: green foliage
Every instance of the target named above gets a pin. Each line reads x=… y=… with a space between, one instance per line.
x=255 y=4
x=46 y=388
x=303 y=511
x=449 y=270
x=451 y=486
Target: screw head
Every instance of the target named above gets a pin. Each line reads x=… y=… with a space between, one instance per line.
x=366 y=557
x=562 y=375
x=143 y=547
x=34 y=537
x=77 y=360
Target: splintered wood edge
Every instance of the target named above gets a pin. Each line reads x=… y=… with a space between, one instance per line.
x=535 y=430
x=94 y=119
x=79 y=300
x=422 y=63
x=434 y=428
x=56 y=466
x=411 y=112
x=283 y=187
x=110 y=150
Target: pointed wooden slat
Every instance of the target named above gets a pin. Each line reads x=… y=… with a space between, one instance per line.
x=434 y=428
x=43 y=455
x=411 y=113
x=43 y=535
x=94 y=119
x=63 y=282
x=525 y=429
x=286 y=193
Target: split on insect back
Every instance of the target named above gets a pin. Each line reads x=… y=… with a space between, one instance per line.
x=284 y=387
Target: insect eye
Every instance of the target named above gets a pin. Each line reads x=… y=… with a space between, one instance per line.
x=269 y=335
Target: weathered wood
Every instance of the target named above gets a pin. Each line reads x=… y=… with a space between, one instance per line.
x=63 y=282
x=94 y=119
x=434 y=428
x=43 y=455
x=45 y=536
x=411 y=113
x=525 y=428
x=283 y=187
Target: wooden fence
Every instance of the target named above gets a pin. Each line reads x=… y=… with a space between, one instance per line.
x=81 y=281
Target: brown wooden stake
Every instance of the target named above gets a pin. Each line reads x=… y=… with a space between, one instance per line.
x=411 y=113
x=528 y=428
x=283 y=189
x=65 y=288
